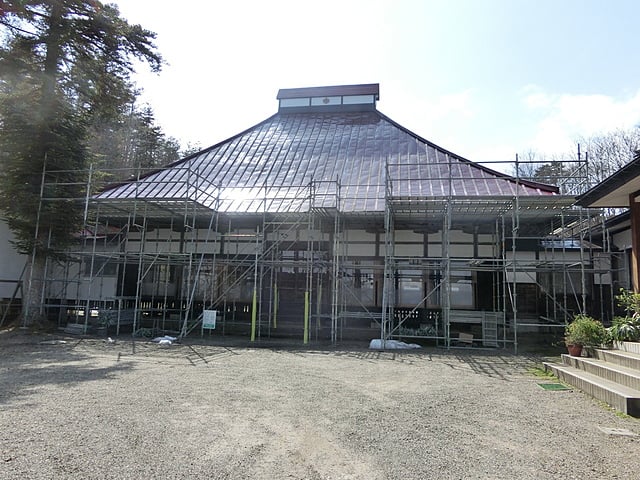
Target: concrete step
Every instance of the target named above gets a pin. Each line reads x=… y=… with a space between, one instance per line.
x=619 y=357
x=616 y=373
x=620 y=397
x=631 y=347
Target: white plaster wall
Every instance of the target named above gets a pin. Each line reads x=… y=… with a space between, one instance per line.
x=359 y=236
x=435 y=250
x=404 y=250
x=79 y=284
x=485 y=251
x=408 y=236
x=558 y=256
x=524 y=260
x=622 y=240
x=361 y=250
x=602 y=262
x=461 y=251
x=11 y=263
x=316 y=235
x=167 y=241
x=461 y=237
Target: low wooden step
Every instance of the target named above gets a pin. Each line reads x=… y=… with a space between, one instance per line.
x=609 y=371
x=620 y=397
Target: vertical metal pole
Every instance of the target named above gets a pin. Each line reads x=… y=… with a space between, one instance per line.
x=91 y=273
x=254 y=303
x=446 y=274
x=306 y=318
x=143 y=239
x=446 y=240
x=564 y=266
x=583 y=279
x=388 y=286
x=335 y=288
x=45 y=273
x=85 y=216
x=36 y=234
x=275 y=303
x=262 y=258
x=515 y=230
x=309 y=279
x=505 y=283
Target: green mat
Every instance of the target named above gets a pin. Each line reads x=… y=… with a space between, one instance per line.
x=554 y=386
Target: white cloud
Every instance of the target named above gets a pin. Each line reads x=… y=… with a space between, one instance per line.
x=454 y=104
x=565 y=117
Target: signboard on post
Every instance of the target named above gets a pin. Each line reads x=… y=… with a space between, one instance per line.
x=209 y=319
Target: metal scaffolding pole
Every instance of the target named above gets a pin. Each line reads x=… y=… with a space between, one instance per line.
x=335 y=269
x=515 y=226
x=388 y=289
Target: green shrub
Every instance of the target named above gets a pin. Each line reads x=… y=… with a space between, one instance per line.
x=625 y=329
x=585 y=331
x=630 y=302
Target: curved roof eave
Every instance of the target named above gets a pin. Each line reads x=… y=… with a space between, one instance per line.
x=543 y=186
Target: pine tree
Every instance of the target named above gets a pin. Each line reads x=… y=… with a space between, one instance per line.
x=65 y=65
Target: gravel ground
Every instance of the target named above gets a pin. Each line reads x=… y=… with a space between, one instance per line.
x=88 y=409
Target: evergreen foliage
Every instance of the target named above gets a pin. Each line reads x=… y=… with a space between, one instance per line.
x=65 y=68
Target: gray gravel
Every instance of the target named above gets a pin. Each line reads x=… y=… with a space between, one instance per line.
x=88 y=409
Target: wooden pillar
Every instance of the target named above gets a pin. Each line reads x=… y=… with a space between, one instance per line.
x=634 y=208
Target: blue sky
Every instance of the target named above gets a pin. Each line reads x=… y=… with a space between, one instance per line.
x=485 y=79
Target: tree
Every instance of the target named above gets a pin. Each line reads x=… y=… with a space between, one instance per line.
x=64 y=65
x=558 y=170
x=610 y=151
x=131 y=144
x=594 y=159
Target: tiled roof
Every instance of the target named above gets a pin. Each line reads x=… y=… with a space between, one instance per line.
x=271 y=166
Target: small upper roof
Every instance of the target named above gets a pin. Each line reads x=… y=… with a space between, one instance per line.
x=336 y=90
x=614 y=191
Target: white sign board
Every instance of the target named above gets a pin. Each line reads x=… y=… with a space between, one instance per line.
x=209 y=319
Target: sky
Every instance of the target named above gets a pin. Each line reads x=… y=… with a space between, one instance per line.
x=485 y=79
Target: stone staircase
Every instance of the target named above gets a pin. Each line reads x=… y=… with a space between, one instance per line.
x=612 y=376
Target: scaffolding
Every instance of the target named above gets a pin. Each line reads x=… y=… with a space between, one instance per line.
x=453 y=270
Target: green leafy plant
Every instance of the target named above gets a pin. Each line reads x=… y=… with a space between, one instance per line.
x=627 y=328
x=586 y=331
x=630 y=302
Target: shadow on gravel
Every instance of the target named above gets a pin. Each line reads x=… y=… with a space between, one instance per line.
x=496 y=364
x=26 y=364
x=499 y=364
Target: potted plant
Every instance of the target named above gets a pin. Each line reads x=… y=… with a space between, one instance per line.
x=584 y=331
